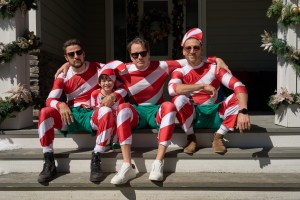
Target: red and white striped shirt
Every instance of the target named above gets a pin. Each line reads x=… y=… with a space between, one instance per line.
x=97 y=96
x=205 y=73
x=145 y=87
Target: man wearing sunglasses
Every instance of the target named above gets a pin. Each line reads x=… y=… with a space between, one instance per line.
x=196 y=86
x=75 y=114
x=144 y=80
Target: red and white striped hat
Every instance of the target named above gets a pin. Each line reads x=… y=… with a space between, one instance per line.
x=109 y=72
x=192 y=33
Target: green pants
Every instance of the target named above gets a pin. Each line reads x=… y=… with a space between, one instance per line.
x=207 y=116
x=82 y=118
x=147 y=116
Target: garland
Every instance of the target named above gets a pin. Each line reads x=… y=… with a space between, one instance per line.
x=280 y=47
x=155 y=25
x=287 y=14
x=28 y=41
x=9 y=7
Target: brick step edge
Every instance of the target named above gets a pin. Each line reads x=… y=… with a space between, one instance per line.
x=150 y=153
x=178 y=181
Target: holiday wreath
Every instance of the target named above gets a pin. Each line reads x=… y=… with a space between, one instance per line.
x=155 y=25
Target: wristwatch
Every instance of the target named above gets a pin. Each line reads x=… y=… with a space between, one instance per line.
x=244 y=111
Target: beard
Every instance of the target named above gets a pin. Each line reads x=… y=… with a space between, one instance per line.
x=77 y=63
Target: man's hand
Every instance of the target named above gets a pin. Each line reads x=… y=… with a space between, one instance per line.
x=108 y=101
x=63 y=69
x=243 y=122
x=210 y=89
x=65 y=113
x=222 y=64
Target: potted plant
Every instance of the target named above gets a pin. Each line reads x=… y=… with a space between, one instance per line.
x=15 y=110
x=286 y=107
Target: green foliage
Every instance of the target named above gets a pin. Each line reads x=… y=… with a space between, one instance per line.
x=8 y=107
x=287 y=14
x=278 y=99
x=275 y=9
x=9 y=7
x=28 y=41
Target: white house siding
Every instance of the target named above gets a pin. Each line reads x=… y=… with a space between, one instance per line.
x=233 y=33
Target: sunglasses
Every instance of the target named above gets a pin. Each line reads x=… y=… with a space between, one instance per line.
x=136 y=55
x=72 y=54
x=189 y=48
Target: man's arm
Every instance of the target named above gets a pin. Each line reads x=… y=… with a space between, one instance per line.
x=220 y=63
x=65 y=113
x=243 y=120
x=190 y=88
x=177 y=87
x=63 y=69
x=53 y=101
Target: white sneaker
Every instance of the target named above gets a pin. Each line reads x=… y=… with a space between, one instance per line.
x=156 y=173
x=125 y=173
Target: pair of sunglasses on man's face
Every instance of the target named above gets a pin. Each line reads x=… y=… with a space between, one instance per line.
x=189 y=48
x=136 y=55
x=72 y=54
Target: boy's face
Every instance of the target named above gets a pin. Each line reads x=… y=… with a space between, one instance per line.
x=106 y=84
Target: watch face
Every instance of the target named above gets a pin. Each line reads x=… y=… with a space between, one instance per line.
x=244 y=111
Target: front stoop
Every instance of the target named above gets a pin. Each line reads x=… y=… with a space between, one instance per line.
x=263 y=163
x=175 y=186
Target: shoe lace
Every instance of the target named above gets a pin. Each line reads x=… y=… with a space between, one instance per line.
x=122 y=170
x=47 y=166
x=225 y=140
x=157 y=166
x=96 y=163
x=95 y=166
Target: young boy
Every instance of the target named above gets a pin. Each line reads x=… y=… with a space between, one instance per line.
x=106 y=82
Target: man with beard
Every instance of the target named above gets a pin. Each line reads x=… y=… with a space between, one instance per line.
x=76 y=114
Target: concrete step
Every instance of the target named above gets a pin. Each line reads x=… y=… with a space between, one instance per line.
x=262 y=134
x=277 y=138
x=254 y=160
x=175 y=186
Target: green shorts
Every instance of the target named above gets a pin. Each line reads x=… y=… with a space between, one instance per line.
x=207 y=116
x=82 y=118
x=147 y=116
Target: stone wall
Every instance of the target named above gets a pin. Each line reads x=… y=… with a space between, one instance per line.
x=43 y=66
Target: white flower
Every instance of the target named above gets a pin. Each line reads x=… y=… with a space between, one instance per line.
x=19 y=94
x=267 y=40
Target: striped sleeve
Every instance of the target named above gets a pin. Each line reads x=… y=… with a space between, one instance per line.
x=55 y=93
x=231 y=82
x=176 y=78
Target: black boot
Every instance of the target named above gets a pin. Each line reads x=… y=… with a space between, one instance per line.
x=49 y=169
x=96 y=171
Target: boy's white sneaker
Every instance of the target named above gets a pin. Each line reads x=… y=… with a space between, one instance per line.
x=156 y=173
x=125 y=173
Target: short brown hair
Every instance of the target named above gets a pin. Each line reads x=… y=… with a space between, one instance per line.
x=103 y=77
x=71 y=42
x=138 y=40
